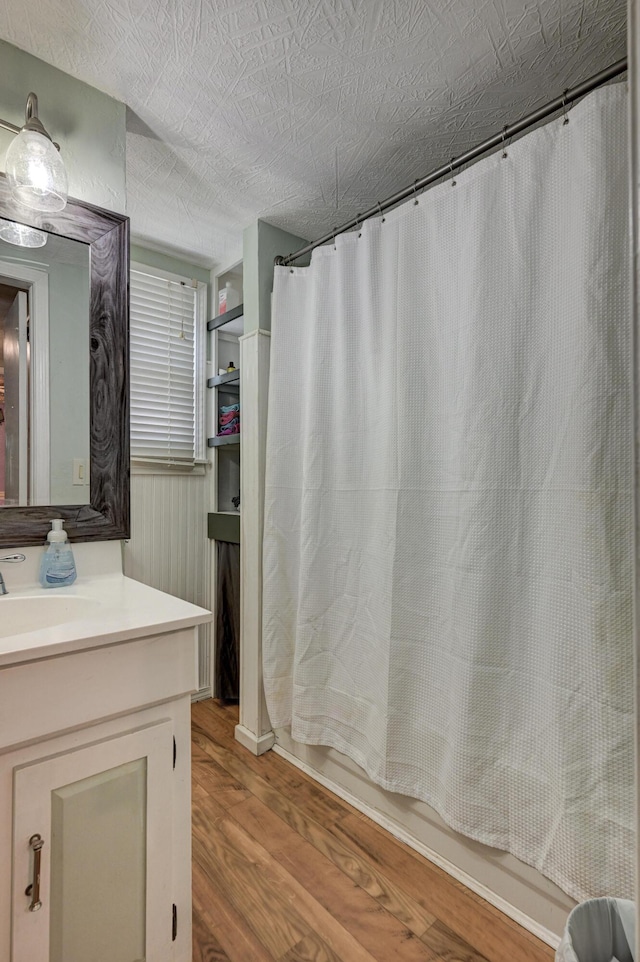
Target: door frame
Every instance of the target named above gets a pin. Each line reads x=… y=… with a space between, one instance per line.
x=37 y=283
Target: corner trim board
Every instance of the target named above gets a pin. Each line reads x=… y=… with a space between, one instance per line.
x=254 y=333
x=256 y=744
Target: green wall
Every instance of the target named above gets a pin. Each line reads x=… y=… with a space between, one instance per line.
x=262 y=243
x=173 y=265
x=165 y=262
x=89 y=125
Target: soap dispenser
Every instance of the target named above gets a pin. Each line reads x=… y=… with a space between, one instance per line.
x=58 y=567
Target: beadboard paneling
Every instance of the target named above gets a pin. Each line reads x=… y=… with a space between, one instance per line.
x=169 y=548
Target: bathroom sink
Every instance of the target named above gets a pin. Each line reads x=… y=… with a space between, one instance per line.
x=100 y=610
x=19 y=613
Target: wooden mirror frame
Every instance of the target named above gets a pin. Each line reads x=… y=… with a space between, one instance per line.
x=107 y=516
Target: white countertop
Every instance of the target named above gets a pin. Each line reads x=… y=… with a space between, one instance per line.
x=112 y=609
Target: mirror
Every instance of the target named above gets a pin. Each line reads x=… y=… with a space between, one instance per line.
x=64 y=431
x=44 y=373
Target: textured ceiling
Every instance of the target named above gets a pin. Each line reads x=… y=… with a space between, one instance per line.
x=305 y=112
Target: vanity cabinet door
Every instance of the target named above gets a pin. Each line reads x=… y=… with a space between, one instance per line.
x=92 y=852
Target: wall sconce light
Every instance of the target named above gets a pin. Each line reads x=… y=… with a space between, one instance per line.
x=34 y=168
x=21 y=235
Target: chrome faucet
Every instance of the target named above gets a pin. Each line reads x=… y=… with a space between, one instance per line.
x=12 y=559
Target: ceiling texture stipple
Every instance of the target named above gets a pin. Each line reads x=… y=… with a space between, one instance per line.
x=305 y=112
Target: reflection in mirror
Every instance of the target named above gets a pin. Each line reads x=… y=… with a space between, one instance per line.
x=44 y=373
x=99 y=508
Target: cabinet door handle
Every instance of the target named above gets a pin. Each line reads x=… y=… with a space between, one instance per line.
x=36 y=842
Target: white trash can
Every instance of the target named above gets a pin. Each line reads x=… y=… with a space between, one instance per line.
x=599 y=930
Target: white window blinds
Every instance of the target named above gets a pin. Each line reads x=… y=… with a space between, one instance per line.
x=167 y=365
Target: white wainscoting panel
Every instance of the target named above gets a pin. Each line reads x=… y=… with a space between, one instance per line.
x=169 y=548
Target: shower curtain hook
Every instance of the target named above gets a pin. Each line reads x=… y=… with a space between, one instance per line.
x=504 y=146
x=335 y=231
x=415 y=188
x=380 y=210
x=564 y=108
x=358 y=216
x=453 y=180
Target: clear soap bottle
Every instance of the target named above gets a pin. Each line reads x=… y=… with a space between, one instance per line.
x=58 y=567
x=228 y=297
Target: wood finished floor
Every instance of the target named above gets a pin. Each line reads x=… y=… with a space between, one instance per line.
x=284 y=871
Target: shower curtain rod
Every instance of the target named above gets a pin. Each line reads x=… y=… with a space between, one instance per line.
x=497 y=140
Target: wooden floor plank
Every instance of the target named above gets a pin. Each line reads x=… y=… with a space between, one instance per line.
x=271 y=767
x=220 y=725
x=286 y=872
x=220 y=778
x=485 y=927
x=378 y=930
x=251 y=894
x=333 y=935
x=229 y=927
x=361 y=870
x=449 y=946
x=228 y=710
x=312 y=949
x=197 y=793
x=268 y=773
x=206 y=947
x=215 y=780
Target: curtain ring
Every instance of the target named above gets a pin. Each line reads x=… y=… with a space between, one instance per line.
x=335 y=231
x=358 y=216
x=504 y=146
x=415 y=188
x=453 y=180
x=564 y=108
x=380 y=211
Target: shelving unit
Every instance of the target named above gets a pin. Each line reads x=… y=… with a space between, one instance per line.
x=221 y=440
x=223 y=319
x=224 y=384
x=224 y=526
x=231 y=379
x=228 y=383
x=223 y=522
x=226 y=329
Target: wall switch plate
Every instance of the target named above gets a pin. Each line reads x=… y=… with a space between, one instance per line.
x=80 y=473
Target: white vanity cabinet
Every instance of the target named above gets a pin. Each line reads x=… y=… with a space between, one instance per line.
x=95 y=849
x=102 y=814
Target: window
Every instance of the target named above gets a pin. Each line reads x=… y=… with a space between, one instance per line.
x=168 y=327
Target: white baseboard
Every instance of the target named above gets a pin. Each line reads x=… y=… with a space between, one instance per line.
x=257 y=745
x=542 y=933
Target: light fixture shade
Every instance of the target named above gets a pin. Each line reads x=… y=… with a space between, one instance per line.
x=21 y=235
x=35 y=172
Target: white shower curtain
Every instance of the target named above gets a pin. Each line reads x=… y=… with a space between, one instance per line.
x=448 y=517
